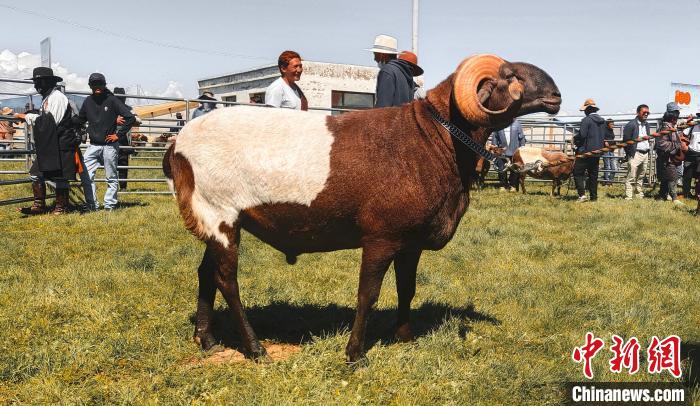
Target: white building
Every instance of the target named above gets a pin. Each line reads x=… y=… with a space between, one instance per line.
x=326 y=85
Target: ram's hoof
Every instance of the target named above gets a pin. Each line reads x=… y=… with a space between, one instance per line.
x=257 y=353
x=291 y=259
x=206 y=341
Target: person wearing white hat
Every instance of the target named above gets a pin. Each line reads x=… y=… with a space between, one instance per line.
x=395 y=84
x=385 y=48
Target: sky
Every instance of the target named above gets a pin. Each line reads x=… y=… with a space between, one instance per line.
x=619 y=52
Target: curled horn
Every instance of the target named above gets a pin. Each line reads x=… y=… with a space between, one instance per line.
x=475 y=80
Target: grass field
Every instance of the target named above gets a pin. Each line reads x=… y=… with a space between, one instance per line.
x=98 y=308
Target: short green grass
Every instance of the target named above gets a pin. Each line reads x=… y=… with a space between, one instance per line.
x=98 y=308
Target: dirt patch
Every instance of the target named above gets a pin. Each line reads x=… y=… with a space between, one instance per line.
x=275 y=352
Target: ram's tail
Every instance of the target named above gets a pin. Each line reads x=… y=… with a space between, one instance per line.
x=181 y=180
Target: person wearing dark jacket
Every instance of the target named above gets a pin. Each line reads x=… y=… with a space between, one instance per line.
x=101 y=110
x=395 y=84
x=636 y=154
x=590 y=138
x=666 y=147
x=55 y=141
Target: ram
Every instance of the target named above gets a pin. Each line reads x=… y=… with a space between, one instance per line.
x=544 y=164
x=390 y=181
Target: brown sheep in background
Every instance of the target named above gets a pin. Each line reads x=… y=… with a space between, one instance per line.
x=557 y=173
x=483 y=165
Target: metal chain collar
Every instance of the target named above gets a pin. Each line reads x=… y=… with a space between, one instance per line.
x=462 y=137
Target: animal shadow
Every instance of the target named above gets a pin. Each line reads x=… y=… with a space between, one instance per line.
x=691 y=352
x=126 y=205
x=297 y=324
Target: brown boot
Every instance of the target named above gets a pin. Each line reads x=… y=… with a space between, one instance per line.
x=61 y=202
x=39 y=205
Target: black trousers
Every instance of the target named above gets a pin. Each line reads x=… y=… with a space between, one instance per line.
x=508 y=179
x=586 y=176
x=123 y=160
x=690 y=171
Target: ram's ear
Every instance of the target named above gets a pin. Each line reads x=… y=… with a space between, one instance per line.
x=486 y=90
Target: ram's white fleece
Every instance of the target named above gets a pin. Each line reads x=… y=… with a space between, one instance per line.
x=245 y=156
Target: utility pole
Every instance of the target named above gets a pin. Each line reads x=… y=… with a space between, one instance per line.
x=415 y=27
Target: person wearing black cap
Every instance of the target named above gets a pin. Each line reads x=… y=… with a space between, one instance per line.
x=204 y=108
x=666 y=147
x=101 y=110
x=55 y=141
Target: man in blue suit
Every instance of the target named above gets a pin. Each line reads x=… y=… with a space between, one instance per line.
x=510 y=139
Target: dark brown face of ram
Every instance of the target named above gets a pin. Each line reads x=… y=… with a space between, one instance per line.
x=520 y=89
x=540 y=93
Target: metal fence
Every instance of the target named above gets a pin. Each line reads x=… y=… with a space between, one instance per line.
x=544 y=132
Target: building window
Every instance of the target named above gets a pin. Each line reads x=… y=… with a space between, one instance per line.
x=229 y=99
x=257 y=98
x=351 y=100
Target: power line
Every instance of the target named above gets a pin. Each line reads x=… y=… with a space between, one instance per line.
x=128 y=36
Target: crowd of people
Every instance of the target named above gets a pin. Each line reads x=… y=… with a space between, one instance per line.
x=57 y=127
x=57 y=136
x=677 y=153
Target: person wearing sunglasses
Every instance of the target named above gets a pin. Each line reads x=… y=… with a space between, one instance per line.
x=637 y=154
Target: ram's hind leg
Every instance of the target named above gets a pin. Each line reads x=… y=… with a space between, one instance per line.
x=205 y=302
x=226 y=278
x=405 y=265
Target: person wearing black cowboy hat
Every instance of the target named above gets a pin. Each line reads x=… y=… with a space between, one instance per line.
x=204 y=108
x=55 y=142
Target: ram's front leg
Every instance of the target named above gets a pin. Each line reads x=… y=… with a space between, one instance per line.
x=377 y=255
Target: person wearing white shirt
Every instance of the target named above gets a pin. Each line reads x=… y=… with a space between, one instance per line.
x=692 y=157
x=284 y=92
x=637 y=154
